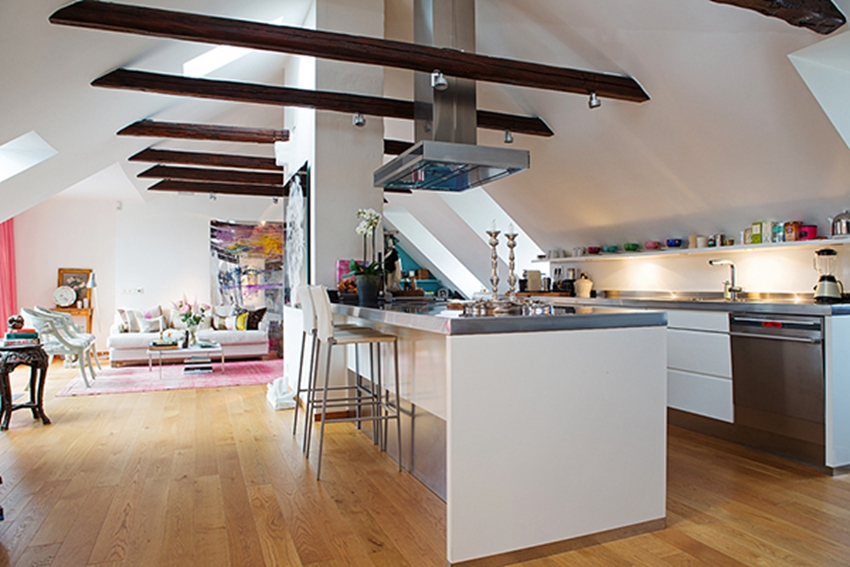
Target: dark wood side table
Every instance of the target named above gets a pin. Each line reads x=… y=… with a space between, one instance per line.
x=36 y=359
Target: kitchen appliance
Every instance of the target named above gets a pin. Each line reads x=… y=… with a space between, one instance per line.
x=840 y=224
x=828 y=288
x=778 y=383
x=446 y=156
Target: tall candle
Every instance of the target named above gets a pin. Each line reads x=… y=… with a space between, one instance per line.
x=493 y=225
x=511 y=228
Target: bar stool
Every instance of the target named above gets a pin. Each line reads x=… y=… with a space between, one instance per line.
x=303 y=298
x=382 y=411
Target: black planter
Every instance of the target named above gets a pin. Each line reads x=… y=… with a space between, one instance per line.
x=367 y=289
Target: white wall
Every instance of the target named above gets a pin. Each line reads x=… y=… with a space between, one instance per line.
x=160 y=246
x=346 y=156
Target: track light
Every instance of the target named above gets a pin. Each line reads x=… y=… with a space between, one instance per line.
x=509 y=138
x=213 y=197
x=594 y=101
x=359 y=120
x=275 y=200
x=438 y=81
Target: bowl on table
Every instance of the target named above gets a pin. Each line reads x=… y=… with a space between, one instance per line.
x=594 y=249
x=652 y=245
x=631 y=246
x=609 y=248
x=674 y=242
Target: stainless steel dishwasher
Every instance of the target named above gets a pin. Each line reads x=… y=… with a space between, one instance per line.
x=778 y=382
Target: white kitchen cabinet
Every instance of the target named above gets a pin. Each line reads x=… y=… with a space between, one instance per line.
x=699 y=363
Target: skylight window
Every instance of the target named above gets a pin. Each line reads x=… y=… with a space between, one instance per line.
x=216 y=58
x=23 y=153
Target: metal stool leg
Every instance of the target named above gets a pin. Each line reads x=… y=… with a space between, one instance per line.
x=298 y=385
x=311 y=395
x=397 y=403
x=324 y=410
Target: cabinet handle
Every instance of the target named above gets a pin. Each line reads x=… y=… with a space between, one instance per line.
x=776 y=338
x=782 y=321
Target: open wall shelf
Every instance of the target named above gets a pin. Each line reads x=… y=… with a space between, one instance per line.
x=715 y=250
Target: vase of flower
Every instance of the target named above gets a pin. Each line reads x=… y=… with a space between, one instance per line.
x=192 y=331
x=368 y=286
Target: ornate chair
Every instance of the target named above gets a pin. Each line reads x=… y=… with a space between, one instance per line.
x=56 y=341
x=66 y=323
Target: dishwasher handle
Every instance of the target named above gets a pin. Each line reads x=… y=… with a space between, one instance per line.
x=777 y=338
x=739 y=319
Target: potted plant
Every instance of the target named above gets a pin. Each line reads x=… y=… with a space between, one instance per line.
x=367 y=273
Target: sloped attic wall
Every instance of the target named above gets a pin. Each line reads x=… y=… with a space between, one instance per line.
x=731 y=134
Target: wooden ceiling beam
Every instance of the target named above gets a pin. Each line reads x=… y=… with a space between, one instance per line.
x=214 y=175
x=821 y=16
x=343 y=47
x=396 y=147
x=233 y=161
x=214 y=132
x=232 y=91
x=174 y=186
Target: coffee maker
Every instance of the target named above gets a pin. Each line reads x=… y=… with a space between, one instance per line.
x=565 y=280
x=828 y=289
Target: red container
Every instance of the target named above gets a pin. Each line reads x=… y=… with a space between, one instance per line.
x=807 y=232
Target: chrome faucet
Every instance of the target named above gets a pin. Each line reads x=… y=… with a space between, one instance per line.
x=730 y=288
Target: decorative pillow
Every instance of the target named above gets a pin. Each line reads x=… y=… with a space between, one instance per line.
x=230 y=323
x=219 y=323
x=223 y=310
x=176 y=322
x=153 y=325
x=254 y=318
x=242 y=321
x=127 y=321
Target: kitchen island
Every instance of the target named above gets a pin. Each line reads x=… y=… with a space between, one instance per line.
x=536 y=430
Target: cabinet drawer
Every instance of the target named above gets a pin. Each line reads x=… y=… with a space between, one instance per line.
x=704 y=395
x=704 y=353
x=699 y=320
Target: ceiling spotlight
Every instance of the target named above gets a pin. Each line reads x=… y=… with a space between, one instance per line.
x=509 y=138
x=212 y=197
x=594 y=101
x=438 y=81
x=359 y=120
x=275 y=200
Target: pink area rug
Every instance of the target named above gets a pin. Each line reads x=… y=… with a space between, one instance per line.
x=127 y=379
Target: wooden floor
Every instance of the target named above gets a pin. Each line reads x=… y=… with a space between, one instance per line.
x=214 y=477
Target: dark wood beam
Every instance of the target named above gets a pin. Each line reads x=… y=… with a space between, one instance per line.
x=187 y=131
x=396 y=147
x=153 y=155
x=215 y=175
x=287 y=96
x=821 y=16
x=343 y=47
x=173 y=186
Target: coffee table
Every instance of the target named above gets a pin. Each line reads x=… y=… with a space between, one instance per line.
x=184 y=353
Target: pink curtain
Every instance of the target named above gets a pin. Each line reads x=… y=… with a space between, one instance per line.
x=8 y=289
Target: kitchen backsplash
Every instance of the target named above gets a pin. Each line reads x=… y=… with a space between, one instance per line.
x=768 y=269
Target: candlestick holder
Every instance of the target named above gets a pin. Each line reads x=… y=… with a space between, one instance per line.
x=511 y=236
x=494 y=262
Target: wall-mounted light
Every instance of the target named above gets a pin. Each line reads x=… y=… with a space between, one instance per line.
x=594 y=101
x=438 y=81
x=509 y=138
x=359 y=120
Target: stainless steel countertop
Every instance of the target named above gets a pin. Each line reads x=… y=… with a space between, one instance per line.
x=770 y=303
x=436 y=318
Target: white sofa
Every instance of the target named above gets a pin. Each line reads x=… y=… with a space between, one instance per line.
x=131 y=347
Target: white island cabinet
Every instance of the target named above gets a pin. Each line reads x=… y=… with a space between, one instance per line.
x=551 y=427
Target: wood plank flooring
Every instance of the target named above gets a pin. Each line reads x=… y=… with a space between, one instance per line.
x=214 y=478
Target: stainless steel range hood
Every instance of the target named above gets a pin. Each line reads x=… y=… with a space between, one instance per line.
x=447 y=166
x=446 y=156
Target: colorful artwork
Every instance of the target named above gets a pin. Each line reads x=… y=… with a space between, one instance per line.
x=247 y=269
